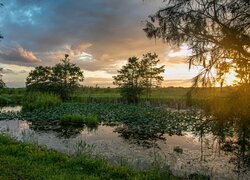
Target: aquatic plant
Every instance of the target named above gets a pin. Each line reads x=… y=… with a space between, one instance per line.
x=37 y=100
x=91 y=120
x=83 y=148
x=77 y=118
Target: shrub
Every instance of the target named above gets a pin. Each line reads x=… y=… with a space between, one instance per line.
x=40 y=100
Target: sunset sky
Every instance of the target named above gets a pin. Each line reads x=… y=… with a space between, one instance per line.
x=99 y=36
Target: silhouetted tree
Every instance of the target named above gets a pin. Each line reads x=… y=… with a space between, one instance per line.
x=2 y=84
x=137 y=76
x=217 y=31
x=61 y=79
x=150 y=72
x=129 y=80
x=222 y=69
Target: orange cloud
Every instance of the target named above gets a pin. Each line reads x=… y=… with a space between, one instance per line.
x=28 y=55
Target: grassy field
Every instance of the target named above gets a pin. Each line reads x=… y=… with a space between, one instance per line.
x=172 y=97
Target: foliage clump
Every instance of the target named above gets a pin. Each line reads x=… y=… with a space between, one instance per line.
x=2 y=84
x=139 y=76
x=61 y=79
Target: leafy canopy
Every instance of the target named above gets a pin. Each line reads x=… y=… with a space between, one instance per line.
x=2 y=84
x=137 y=76
x=61 y=79
x=217 y=32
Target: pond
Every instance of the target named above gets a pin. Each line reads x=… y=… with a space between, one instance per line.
x=183 y=154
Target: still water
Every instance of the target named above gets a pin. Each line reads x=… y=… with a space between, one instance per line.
x=183 y=154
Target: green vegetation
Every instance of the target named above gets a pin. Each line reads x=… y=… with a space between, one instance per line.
x=2 y=84
x=26 y=161
x=138 y=77
x=61 y=79
x=37 y=100
x=72 y=118
x=143 y=121
x=11 y=96
x=171 y=97
x=90 y=119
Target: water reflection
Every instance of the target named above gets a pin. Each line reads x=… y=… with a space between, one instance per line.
x=182 y=153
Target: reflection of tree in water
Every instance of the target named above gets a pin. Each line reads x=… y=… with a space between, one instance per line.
x=231 y=137
x=66 y=130
x=144 y=138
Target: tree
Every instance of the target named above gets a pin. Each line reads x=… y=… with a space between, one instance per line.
x=129 y=79
x=2 y=84
x=150 y=72
x=137 y=76
x=223 y=68
x=217 y=31
x=61 y=79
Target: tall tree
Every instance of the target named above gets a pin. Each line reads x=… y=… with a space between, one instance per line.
x=215 y=30
x=62 y=79
x=138 y=76
x=2 y=84
x=151 y=74
x=129 y=80
x=218 y=33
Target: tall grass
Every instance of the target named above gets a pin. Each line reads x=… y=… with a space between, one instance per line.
x=36 y=100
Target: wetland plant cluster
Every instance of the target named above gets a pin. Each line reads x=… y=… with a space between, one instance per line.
x=90 y=120
x=36 y=100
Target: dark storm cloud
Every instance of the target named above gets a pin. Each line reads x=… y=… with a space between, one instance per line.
x=112 y=27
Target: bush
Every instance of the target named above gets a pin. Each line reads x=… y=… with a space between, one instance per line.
x=40 y=100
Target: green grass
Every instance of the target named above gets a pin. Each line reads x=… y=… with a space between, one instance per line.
x=72 y=118
x=26 y=161
x=36 y=100
x=90 y=120
x=175 y=97
x=172 y=96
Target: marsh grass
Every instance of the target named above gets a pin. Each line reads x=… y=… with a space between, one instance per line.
x=90 y=120
x=76 y=118
x=83 y=148
x=36 y=100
